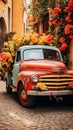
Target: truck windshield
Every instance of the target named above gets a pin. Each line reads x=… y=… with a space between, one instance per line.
x=41 y=54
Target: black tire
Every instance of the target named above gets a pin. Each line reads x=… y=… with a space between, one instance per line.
x=25 y=100
x=8 y=89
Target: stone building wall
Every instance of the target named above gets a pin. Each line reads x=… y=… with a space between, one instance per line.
x=4 y=13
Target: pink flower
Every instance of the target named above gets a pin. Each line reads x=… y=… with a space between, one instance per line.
x=62 y=40
x=56 y=10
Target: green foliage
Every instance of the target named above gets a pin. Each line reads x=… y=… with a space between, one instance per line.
x=39 y=8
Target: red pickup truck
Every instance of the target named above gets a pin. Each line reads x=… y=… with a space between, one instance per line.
x=39 y=70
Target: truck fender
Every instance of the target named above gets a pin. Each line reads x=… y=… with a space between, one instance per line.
x=21 y=78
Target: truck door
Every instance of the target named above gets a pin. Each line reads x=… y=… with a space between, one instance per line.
x=16 y=67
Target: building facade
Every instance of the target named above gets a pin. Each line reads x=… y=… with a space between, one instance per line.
x=13 y=17
x=5 y=19
x=5 y=16
x=19 y=16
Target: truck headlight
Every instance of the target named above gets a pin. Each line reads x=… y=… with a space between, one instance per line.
x=34 y=78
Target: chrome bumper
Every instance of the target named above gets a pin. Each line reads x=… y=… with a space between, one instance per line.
x=50 y=93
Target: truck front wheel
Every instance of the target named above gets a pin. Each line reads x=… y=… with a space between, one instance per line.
x=25 y=100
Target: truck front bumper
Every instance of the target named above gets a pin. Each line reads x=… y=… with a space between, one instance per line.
x=50 y=93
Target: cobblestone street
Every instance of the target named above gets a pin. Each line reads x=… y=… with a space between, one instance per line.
x=45 y=116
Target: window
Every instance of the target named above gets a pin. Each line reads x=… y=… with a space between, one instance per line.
x=51 y=55
x=41 y=54
x=33 y=54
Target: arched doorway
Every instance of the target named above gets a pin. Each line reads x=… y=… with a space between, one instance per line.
x=2 y=31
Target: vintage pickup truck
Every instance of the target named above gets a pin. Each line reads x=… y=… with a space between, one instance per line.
x=39 y=70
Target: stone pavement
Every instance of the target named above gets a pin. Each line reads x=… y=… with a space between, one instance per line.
x=45 y=116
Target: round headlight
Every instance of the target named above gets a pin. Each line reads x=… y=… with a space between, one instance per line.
x=35 y=79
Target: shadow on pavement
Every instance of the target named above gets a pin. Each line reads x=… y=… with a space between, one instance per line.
x=44 y=102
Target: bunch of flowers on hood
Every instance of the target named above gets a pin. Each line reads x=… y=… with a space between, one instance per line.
x=40 y=87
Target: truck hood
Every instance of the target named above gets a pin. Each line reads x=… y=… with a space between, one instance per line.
x=43 y=65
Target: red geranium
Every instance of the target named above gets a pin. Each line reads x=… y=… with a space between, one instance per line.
x=49 y=38
x=62 y=40
x=66 y=10
x=54 y=22
x=67 y=29
x=56 y=10
x=68 y=19
x=63 y=47
x=59 y=23
x=70 y=4
x=71 y=36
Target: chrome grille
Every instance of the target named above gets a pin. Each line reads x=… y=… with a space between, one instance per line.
x=56 y=81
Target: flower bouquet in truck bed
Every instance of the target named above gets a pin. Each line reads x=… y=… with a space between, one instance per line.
x=9 y=51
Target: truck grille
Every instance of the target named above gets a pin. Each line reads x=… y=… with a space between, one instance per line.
x=56 y=81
